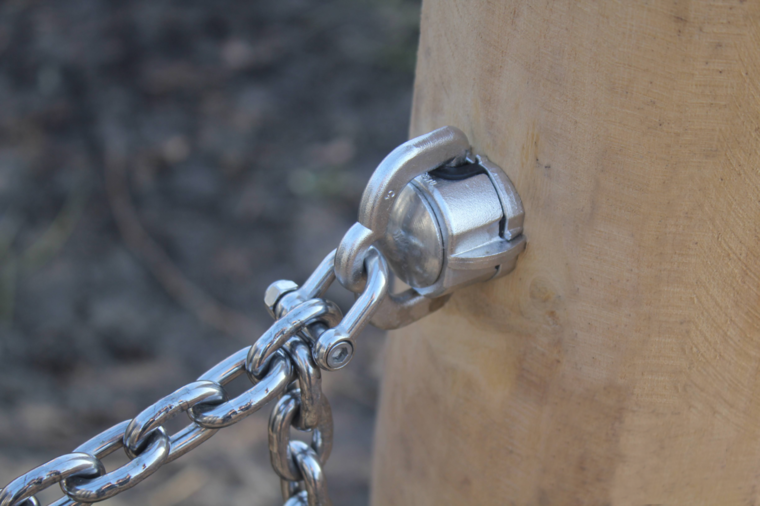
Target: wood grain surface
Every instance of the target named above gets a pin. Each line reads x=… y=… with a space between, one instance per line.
x=620 y=362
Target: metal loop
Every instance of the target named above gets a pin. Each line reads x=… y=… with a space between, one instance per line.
x=106 y=442
x=314 y=407
x=313 y=288
x=280 y=422
x=405 y=308
x=228 y=369
x=290 y=488
x=198 y=393
x=282 y=330
x=409 y=160
x=188 y=439
x=108 y=485
x=299 y=499
x=275 y=382
x=21 y=490
x=66 y=501
x=311 y=470
x=334 y=348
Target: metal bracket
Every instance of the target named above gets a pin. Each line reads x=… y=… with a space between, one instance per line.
x=441 y=217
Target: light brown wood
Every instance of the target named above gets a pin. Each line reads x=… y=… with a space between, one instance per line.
x=620 y=362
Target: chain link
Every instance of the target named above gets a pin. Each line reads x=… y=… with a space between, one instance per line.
x=123 y=478
x=22 y=489
x=310 y=333
x=282 y=363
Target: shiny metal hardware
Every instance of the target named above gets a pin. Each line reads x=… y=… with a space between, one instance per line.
x=314 y=482
x=433 y=215
x=442 y=218
x=314 y=407
x=334 y=348
x=275 y=382
x=409 y=160
x=454 y=228
x=130 y=474
x=203 y=393
x=285 y=328
x=21 y=490
x=282 y=418
x=333 y=339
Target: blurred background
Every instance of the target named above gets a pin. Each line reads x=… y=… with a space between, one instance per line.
x=160 y=164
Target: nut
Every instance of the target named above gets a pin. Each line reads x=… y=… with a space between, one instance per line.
x=275 y=291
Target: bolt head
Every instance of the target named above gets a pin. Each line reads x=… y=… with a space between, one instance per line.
x=340 y=355
x=275 y=291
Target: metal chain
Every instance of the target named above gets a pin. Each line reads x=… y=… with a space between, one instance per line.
x=309 y=333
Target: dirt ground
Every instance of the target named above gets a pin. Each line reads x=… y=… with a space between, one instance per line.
x=160 y=164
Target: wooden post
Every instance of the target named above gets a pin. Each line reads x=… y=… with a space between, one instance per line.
x=620 y=362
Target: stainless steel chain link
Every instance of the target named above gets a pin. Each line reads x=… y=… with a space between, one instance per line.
x=309 y=334
x=279 y=364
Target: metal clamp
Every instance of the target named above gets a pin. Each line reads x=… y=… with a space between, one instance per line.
x=409 y=160
x=441 y=217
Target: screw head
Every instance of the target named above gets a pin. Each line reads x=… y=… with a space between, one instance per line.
x=275 y=291
x=340 y=355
